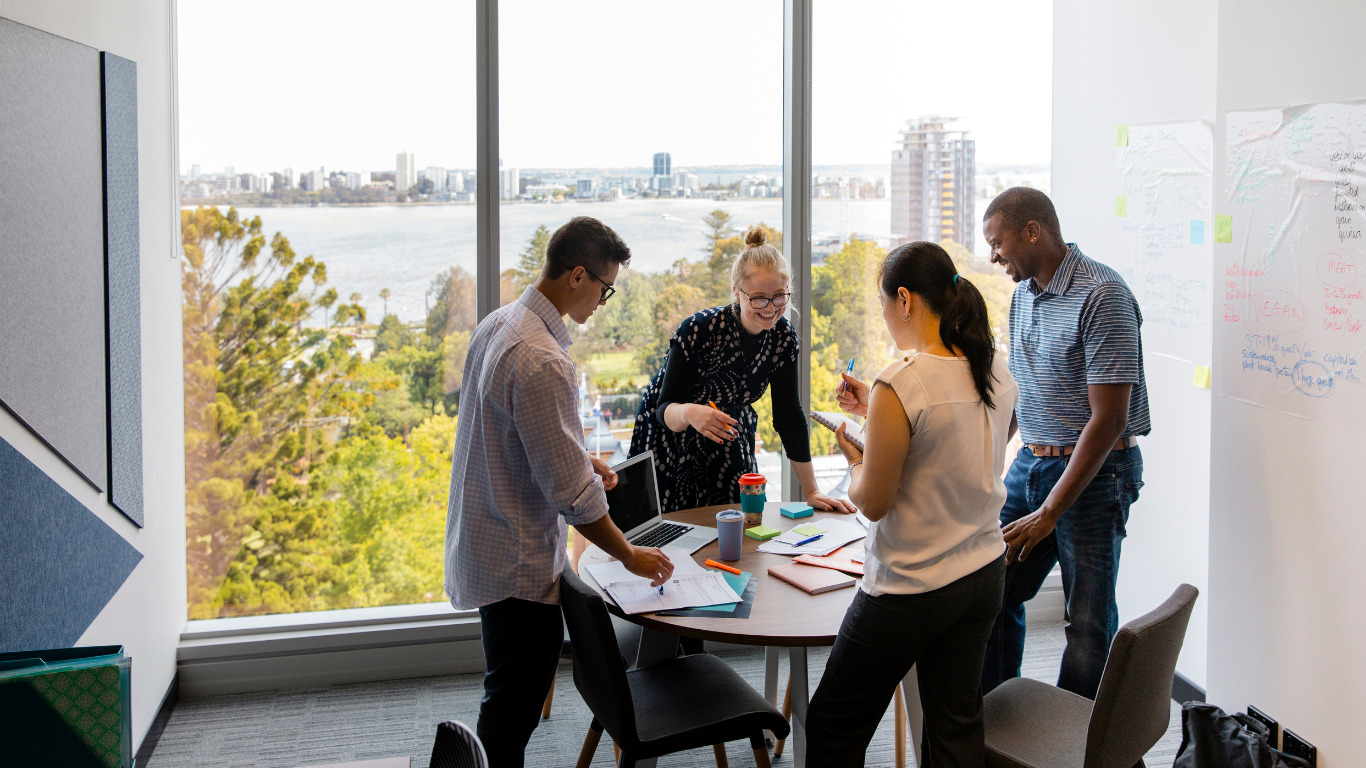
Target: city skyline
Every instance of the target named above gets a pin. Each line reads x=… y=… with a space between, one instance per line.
x=717 y=103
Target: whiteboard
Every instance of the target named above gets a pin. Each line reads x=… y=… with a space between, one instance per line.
x=1166 y=175
x=1290 y=306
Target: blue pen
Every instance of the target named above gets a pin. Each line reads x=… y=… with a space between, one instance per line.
x=804 y=542
x=849 y=370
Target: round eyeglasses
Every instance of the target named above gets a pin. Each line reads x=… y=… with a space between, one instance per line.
x=762 y=302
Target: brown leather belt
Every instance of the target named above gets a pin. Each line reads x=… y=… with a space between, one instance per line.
x=1066 y=450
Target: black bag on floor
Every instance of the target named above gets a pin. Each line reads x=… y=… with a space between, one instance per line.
x=1211 y=738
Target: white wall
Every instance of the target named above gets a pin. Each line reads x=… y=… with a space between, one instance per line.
x=1120 y=63
x=1287 y=520
x=148 y=613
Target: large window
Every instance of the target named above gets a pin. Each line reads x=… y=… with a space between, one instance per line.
x=921 y=113
x=666 y=125
x=327 y=151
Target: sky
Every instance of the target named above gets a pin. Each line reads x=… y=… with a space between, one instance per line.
x=270 y=84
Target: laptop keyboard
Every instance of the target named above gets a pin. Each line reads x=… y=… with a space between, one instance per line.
x=661 y=534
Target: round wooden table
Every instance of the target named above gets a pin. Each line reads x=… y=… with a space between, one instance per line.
x=782 y=615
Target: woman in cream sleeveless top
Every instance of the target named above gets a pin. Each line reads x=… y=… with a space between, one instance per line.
x=938 y=422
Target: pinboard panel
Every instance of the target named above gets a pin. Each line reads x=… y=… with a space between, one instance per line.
x=120 y=83
x=52 y=281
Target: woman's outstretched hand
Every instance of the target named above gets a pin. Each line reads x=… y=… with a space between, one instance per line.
x=853 y=396
x=712 y=424
x=824 y=503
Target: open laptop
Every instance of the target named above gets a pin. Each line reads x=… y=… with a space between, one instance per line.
x=634 y=507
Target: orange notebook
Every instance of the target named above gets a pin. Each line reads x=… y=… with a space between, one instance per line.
x=837 y=560
x=811 y=579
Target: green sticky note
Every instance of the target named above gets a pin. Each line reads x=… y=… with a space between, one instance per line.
x=761 y=532
x=1223 y=229
x=1122 y=136
x=1121 y=206
x=808 y=530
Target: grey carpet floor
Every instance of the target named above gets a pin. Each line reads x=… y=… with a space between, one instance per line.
x=397 y=718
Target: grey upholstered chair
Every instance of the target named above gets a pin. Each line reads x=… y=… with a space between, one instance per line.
x=1030 y=724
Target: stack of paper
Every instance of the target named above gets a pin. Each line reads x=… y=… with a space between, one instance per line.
x=690 y=586
x=834 y=534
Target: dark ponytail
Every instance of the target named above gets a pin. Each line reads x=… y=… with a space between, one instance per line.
x=927 y=270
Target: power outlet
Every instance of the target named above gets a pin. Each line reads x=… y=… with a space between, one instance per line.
x=1271 y=725
x=1298 y=747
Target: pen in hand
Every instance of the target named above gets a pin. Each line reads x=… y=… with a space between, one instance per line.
x=849 y=370
x=729 y=431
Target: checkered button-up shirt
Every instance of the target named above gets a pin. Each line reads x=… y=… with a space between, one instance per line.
x=519 y=473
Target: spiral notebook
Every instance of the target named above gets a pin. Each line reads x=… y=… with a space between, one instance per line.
x=832 y=422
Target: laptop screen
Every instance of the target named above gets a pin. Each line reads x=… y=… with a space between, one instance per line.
x=634 y=501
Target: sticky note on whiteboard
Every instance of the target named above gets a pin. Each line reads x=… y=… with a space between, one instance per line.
x=1197 y=232
x=1223 y=229
x=1201 y=378
x=1121 y=206
x=1122 y=136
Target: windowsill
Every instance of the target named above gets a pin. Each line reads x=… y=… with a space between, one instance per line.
x=237 y=626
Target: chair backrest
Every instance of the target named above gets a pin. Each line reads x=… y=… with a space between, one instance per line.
x=599 y=673
x=1133 y=705
x=457 y=747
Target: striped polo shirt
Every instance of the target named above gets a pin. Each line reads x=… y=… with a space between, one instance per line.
x=1082 y=329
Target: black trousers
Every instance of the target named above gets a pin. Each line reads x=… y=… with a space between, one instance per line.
x=944 y=632
x=522 y=641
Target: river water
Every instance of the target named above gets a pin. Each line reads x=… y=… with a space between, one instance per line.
x=403 y=247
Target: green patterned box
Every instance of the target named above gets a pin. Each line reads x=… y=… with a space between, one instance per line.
x=66 y=706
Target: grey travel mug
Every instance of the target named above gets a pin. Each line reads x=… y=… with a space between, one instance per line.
x=730 y=530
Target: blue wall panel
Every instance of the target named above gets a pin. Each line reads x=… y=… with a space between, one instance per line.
x=120 y=81
x=60 y=564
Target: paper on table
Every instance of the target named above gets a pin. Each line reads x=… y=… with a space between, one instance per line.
x=692 y=591
x=837 y=534
x=615 y=571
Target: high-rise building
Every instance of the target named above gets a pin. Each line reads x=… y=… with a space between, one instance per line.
x=405 y=172
x=313 y=181
x=290 y=180
x=194 y=172
x=455 y=182
x=586 y=189
x=508 y=181
x=229 y=171
x=356 y=180
x=932 y=183
x=438 y=178
x=663 y=164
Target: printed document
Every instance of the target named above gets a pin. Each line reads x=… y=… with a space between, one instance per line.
x=837 y=534
x=690 y=591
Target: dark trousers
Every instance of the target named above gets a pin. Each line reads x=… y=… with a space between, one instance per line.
x=1086 y=543
x=522 y=641
x=944 y=633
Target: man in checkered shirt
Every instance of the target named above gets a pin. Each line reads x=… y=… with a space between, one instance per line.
x=520 y=476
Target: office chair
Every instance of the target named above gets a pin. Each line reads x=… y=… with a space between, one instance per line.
x=668 y=718
x=1030 y=724
x=457 y=747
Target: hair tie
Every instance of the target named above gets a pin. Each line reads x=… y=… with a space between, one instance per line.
x=955 y=279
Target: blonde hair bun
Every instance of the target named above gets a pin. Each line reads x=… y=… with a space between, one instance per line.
x=758 y=254
x=756 y=236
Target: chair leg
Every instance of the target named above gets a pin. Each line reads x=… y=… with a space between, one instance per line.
x=899 y=712
x=787 y=715
x=549 y=697
x=590 y=745
x=756 y=744
x=720 y=751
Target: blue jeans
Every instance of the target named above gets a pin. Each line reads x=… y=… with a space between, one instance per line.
x=1086 y=542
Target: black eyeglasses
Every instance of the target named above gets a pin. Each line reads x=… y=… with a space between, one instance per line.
x=761 y=302
x=607 y=289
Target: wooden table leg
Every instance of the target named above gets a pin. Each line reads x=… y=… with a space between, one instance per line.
x=899 y=728
x=770 y=684
x=915 y=716
x=800 y=699
x=787 y=715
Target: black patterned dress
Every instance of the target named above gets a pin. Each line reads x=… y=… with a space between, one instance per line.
x=693 y=471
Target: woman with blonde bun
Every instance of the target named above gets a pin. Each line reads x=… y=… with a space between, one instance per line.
x=728 y=355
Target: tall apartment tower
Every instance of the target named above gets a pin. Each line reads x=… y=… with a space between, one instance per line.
x=932 y=183
x=405 y=172
x=663 y=164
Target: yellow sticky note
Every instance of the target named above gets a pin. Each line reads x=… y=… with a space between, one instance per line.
x=1122 y=136
x=1223 y=229
x=1121 y=206
x=808 y=530
x=1201 y=378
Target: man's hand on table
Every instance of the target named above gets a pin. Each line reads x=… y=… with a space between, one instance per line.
x=650 y=563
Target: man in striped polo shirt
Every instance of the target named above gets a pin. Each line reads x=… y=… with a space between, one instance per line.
x=1076 y=354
